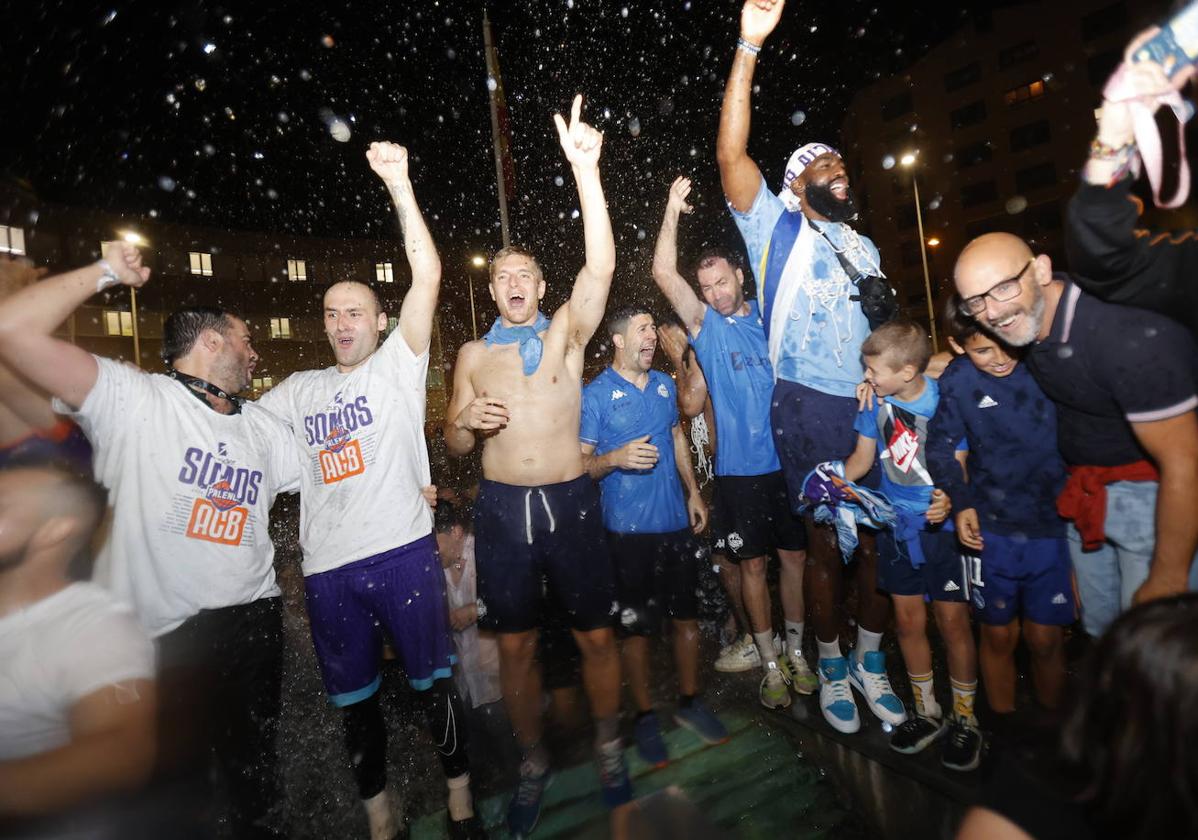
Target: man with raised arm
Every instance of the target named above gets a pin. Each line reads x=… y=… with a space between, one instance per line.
x=751 y=513
x=365 y=529
x=191 y=474
x=807 y=261
x=537 y=514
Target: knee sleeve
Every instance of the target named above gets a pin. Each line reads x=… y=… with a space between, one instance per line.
x=366 y=740
x=443 y=716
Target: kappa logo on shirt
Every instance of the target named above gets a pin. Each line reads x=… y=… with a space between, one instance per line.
x=662 y=391
x=903 y=445
x=617 y=395
x=987 y=402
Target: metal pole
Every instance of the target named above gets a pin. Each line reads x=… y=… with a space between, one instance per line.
x=136 y=336
x=923 y=252
x=473 y=316
x=492 y=59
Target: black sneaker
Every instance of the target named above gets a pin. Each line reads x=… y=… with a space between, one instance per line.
x=915 y=733
x=963 y=749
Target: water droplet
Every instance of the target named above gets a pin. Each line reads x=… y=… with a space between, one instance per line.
x=200 y=85
x=209 y=48
x=492 y=85
x=1016 y=204
x=634 y=127
x=558 y=180
x=798 y=118
x=888 y=162
x=166 y=183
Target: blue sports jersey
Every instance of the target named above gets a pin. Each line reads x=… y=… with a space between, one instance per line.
x=615 y=411
x=736 y=361
x=901 y=432
x=1015 y=468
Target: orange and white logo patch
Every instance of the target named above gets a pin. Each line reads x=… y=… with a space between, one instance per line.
x=217 y=523
x=342 y=463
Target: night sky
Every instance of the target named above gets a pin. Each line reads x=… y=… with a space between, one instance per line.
x=221 y=114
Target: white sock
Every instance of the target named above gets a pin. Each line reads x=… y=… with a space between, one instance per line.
x=828 y=650
x=794 y=638
x=461 y=803
x=867 y=640
x=765 y=647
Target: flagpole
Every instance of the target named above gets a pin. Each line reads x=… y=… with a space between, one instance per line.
x=493 y=74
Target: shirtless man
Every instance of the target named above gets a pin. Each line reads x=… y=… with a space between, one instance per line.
x=537 y=514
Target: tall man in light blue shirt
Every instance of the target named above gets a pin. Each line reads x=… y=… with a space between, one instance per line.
x=632 y=443
x=798 y=242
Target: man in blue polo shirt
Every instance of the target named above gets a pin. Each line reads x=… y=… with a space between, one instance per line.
x=752 y=514
x=633 y=445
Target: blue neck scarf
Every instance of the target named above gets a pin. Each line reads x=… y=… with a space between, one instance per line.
x=530 y=342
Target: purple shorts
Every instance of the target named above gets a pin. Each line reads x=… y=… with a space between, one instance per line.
x=401 y=593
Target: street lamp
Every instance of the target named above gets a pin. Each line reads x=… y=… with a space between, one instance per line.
x=136 y=239
x=908 y=162
x=478 y=261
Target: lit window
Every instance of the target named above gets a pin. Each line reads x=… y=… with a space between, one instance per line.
x=12 y=240
x=280 y=328
x=201 y=264
x=392 y=323
x=264 y=383
x=383 y=273
x=296 y=270
x=1024 y=93
x=118 y=323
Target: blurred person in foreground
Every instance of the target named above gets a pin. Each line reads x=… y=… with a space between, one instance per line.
x=1124 y=768
x=77 y=690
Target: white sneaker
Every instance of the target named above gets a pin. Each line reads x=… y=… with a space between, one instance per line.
x=835 y=696
x=802 y=678
x=775 y=688
x=870 y=679
x=743 y=655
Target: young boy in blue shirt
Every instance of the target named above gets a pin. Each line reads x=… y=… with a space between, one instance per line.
x=1006 y=510
x=916 y=560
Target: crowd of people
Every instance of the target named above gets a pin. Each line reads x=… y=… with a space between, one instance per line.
x=1044 y=471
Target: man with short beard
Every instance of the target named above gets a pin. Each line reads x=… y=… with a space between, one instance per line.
x=1124 y=382
x=798 y=243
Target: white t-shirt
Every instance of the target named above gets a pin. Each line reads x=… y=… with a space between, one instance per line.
x=190 y=491
x=54 y=653
x=361 y=435
x=477 y=671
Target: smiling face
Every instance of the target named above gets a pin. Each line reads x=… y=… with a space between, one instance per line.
x=992 y=262
x=517 y=287
x=636 y=345
x=884 y=377
x=352 y=321
x=722 y=286
x=823 y=189
x=987 y=355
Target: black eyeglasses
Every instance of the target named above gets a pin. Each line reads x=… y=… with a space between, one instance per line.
x=1001 y=291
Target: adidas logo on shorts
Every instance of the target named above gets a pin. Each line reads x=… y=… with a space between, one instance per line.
x=951 y=586
x=1060 y=598
x=987 y=402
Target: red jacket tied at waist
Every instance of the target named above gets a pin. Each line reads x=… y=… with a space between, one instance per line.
x=1083 y=498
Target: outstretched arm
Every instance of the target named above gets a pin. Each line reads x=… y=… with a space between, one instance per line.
x=1173 y=445
x=28 y=318
x=738 y=173
x=665 y=260
x=582 y=145
x=390 y=162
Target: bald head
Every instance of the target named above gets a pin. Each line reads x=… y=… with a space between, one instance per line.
x=355 y=287
x=1005 y=287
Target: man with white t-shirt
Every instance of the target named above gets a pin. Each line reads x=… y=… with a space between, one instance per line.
x=365 y=528
x=191 y=474
x=77 y=695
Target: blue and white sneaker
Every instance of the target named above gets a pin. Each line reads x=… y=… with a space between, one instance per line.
x=836 y=697
x=869 y=678
x=649 y=745
x=699 y=719
x=525 y=807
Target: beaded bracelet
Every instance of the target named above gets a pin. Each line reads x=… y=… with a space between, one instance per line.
x=1102 y=151
x=747 y=46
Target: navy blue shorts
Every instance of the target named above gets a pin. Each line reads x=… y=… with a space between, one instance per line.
x=400 y=592
x=750 y=515
x=656 y=575
x=530 y=542
x=1025 y=576
x=944 y=576
x=811 y=427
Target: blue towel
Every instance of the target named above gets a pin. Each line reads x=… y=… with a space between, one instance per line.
x=530 y=343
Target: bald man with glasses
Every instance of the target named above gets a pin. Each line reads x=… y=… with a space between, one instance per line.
x=1124 y=381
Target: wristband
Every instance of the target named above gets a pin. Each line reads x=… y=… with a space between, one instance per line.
x=747 y=46
x=108 y=279
x=1102 y=151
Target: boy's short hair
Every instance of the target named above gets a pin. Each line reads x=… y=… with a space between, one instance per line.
x=902 y=342
x=959 y=324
